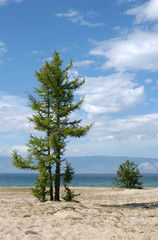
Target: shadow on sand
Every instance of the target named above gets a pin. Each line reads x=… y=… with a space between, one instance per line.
x=152 y=205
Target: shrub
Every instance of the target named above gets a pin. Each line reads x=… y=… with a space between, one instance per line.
x=69 y=196
x=128 y=175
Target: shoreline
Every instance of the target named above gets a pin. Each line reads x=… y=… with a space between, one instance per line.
x=99 y=213
x=78 y=187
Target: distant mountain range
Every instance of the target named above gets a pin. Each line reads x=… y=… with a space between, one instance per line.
x=93 y=164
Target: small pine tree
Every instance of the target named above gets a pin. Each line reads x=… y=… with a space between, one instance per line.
x=128 y=175
x=67 y=177
x=68 y=174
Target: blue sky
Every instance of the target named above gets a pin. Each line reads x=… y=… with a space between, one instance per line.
x=113 y=44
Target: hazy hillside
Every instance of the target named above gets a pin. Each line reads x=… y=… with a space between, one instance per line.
x=7 y=167
x=92 y=164
x=110 y=164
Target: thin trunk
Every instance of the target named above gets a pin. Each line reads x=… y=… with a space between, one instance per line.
x=51 y=184
x=49 y=167
x=58 y=155
x=57 y=182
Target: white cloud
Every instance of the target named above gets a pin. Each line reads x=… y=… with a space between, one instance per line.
x=7 y=150
x=78 y=18
x=2 y=51
x=84 y=63
x=146 y=166
x=110 y=137
x=135 y=128
x=14 y=114
x=4 y=149
x=147 y=11
x=155 y=87
x=71 y=151
x=135 y=51
x=122 y=1
x=127 y=136
x=49 y=59
x=2 y=48
x=111 y=94
x=73 y=73
x=35 y=52
x=148 y=80
x=1 y=43
x=5 y=2
x=70 y=13
x=21 y=149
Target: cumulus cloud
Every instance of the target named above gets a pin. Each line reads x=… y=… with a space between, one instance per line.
x=14 y=114
x=145 y=12
x=135 y=51
x=84 y=63
x=111 y=94
x=77 y=18
x=136 y=128
x=21 y=149
x=5 y=2
x=6 y=149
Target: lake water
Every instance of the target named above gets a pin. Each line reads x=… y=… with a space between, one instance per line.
x=85 y=180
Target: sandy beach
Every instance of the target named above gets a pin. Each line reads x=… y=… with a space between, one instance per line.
x=99 y=213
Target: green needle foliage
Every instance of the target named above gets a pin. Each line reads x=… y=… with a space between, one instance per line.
x=67 y=177
x=68 y=174
x=52 y=105
x=128 y=175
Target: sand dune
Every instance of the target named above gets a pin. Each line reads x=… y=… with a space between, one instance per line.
x=100 y=213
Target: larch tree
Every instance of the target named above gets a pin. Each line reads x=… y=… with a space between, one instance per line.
x=67 y=177
x=128 y=175
x=52 y=106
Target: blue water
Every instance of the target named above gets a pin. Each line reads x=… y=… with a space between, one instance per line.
x=86 y=180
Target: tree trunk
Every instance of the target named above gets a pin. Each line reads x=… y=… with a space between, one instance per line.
x=58 y=152
x=50 y=167
x=57 y=182
x=51 y=184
